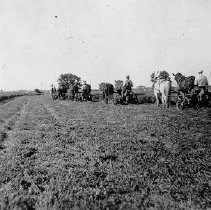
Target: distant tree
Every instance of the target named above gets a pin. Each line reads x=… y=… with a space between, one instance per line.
x=67 y=79
x=37 y=91
x=164 y=75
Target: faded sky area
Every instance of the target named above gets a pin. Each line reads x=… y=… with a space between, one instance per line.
x=101 y=40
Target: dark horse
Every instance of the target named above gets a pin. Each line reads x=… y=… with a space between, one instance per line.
x=86 y=90
x=119 y=87
x=119 y=92
x=186 y=84
x=73 y=91
x=61 y=92
x=126 y=94
x=107 y=90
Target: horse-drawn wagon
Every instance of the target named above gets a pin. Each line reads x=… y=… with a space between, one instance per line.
x=122 y=95
x=72 y=92
x=179 y=98
x=191 y=99
x=188 y=95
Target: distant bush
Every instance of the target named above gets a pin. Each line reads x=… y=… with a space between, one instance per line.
x=37 y=91
x=8 y=95
x=161 y=75
x=144 y=95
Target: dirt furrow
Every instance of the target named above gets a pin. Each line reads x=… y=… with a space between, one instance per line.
x=10 y=122
x=24 y=142
x=11 y=141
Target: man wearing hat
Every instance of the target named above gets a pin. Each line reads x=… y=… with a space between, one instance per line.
x=128 y=88
x=84 y=83
x=128 y=83
x=84 y=86
x=202 y=82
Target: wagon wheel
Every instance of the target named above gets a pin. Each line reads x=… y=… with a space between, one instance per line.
x=114 y=101
x=180 y=105
x=135 y=98
x=106 y=100
x=197 y=105
x=90 y=97
x=180 y=102
x=207 y=99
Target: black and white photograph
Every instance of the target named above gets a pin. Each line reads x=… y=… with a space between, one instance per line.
x=105 y=104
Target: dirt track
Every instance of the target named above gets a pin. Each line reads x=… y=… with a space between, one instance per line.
x=65 y=154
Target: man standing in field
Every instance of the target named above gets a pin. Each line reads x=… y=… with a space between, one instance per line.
x=128 y=83
x=128 y=88
x=53 y=91
x=202 y=82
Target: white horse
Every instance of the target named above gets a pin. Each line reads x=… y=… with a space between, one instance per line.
x=162 y=89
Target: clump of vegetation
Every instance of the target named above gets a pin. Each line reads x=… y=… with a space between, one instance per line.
x=37 y=91
x=161 y=75
x=164 y=75
x=8 y=95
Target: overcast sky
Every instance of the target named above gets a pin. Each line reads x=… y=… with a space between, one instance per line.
x=101 y=40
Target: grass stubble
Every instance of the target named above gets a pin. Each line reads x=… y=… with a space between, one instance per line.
x=84 y=155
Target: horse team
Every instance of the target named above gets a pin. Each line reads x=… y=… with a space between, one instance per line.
x=80 y=92
x=122 y=92
x=191 y=89
x=75 y=91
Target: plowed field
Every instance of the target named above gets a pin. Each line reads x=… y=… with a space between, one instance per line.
x=89 y=155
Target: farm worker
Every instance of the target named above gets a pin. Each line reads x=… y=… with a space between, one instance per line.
x=84 y=85
x=128 y=83
x=85 y=90
x=127 y=88
x=202 y=82
x=53 y=91
x=75 y=82
x=77 y=85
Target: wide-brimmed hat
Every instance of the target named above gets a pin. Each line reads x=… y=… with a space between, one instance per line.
x=200 y=72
